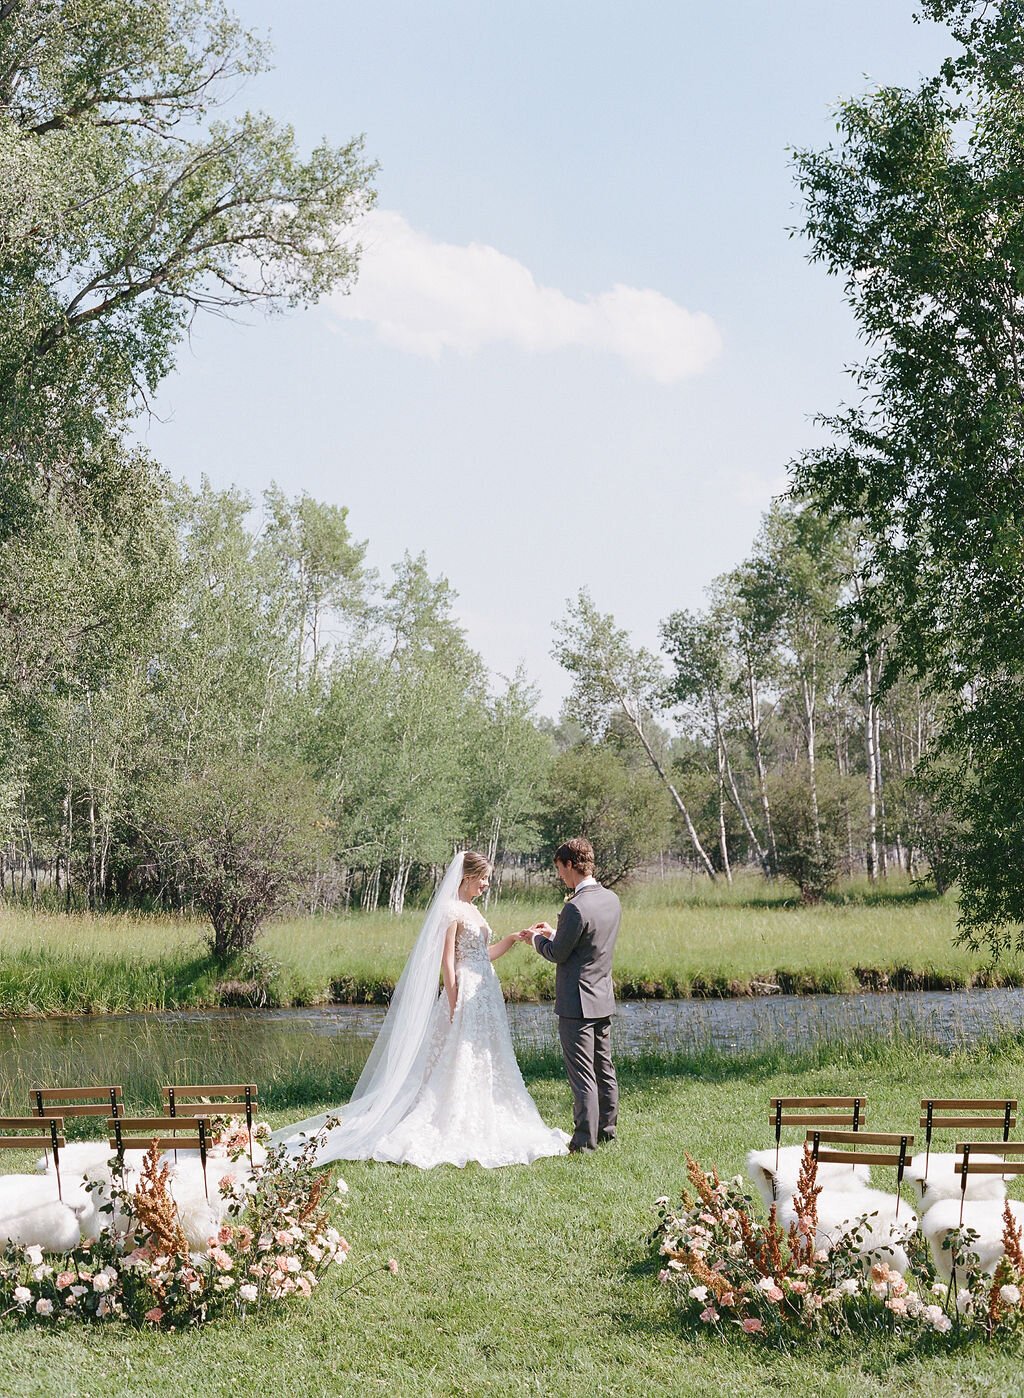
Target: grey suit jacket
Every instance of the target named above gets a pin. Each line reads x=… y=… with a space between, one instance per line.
x=582 y=950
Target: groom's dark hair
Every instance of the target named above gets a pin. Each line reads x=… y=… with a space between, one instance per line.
x=577 y=853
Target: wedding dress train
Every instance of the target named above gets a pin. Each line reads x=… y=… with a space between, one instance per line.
x=473 y=1104
x=438 y=1088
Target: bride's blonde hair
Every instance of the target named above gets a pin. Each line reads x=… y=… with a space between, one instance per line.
x=474 y=866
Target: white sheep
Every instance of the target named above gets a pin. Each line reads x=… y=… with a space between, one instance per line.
x=31 y=1213
x=984 y=1216
x=944 y=1183
x=762 y=1169
x=883 y=1235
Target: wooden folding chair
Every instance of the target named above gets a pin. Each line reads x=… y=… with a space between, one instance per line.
x=49 y=1135
x=986 y=1113
x=240 y=1098
x=141 y=1132
x=824 y=1147
x=834 y=1112
x=966 y=1165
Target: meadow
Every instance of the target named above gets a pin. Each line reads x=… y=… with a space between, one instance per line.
x=679 y=938
x=539 y=1280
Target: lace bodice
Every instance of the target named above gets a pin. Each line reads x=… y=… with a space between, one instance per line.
x=472 y=935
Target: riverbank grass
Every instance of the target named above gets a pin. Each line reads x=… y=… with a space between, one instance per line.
x=539 y=1281
x=679 y=938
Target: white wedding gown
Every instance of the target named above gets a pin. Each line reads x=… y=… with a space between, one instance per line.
x=473 y=1103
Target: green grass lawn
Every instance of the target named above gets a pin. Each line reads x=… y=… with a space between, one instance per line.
x=678 y=938
x=537 y=1280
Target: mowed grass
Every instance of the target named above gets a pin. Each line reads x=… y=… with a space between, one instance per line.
x=538 y=1280
x=679 y=938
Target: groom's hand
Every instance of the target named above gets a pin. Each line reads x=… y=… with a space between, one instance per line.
x=543 y=928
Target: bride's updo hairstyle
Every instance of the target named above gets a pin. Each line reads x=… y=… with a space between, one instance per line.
x=474 y=866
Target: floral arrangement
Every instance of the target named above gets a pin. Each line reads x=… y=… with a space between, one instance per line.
x=733 y=1272
x=276 y=1242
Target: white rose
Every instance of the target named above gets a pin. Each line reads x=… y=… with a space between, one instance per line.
x=34 y=1254
x=44 y=1307
x=22 y=1295
x=342 y=1187
x=699 y=1293
x=101 y=1282
x=248 y=1292
x=943 y=1324
x=1010 y=1295
x=850 y=1286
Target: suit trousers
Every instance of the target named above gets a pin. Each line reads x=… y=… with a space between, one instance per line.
x=587 y=1051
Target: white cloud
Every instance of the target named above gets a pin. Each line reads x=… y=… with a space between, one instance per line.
x=426 y=297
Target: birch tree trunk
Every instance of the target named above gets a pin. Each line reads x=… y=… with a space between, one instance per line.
x=680 y=805
x=762 y=784
x=871 y=764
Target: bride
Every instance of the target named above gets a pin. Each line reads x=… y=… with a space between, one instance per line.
x=442 y=1085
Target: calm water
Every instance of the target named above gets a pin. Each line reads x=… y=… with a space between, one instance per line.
x=949 y=1018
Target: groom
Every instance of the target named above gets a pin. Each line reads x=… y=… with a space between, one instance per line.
x=581 y=947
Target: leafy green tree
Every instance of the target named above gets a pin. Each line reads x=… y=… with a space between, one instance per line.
x=703 y=678
x=614 y=680
x=126 y=208
x=507 y=763
x=918 y=208
x=621 y=808
x=323 y=566
x=240 y=842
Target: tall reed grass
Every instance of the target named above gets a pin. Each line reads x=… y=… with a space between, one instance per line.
x=679 y=938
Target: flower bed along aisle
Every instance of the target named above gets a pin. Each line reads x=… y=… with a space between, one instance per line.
x=731 y=1272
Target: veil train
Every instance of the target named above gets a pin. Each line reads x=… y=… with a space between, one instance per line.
x=394 y=1072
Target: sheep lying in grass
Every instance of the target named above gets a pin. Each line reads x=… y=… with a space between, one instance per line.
x=883 y=1236
x=944 y=1183
x=983 y=1216
x=31 y=1213
x=762 y=1169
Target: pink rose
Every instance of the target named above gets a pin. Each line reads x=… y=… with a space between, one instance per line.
x=710 y=1315
x=799 y=1287
x=392 y=1263
x=64 y=1279
x=284 y=1239
x=752 y=1325
x=156 y=1315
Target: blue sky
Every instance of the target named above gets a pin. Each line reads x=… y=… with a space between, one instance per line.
x=584 y=345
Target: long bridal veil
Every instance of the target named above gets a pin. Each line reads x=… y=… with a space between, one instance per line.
x=394 y=1071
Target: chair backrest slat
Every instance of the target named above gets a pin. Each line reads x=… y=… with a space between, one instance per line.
x=221 y=1089
x=11 y=1138
x=825 y=1148
x=144 y=1132
x=978 y=1122
x=970 y=1104
x=77 y=1101
x=986 y=1113
x=991 y=1167
x=76 y=1094
x=867 y=1157
x=234 y=1099
x=132 y=1124
x=816 y=1101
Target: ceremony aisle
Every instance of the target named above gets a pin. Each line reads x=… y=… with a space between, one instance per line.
x=539 y=1280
